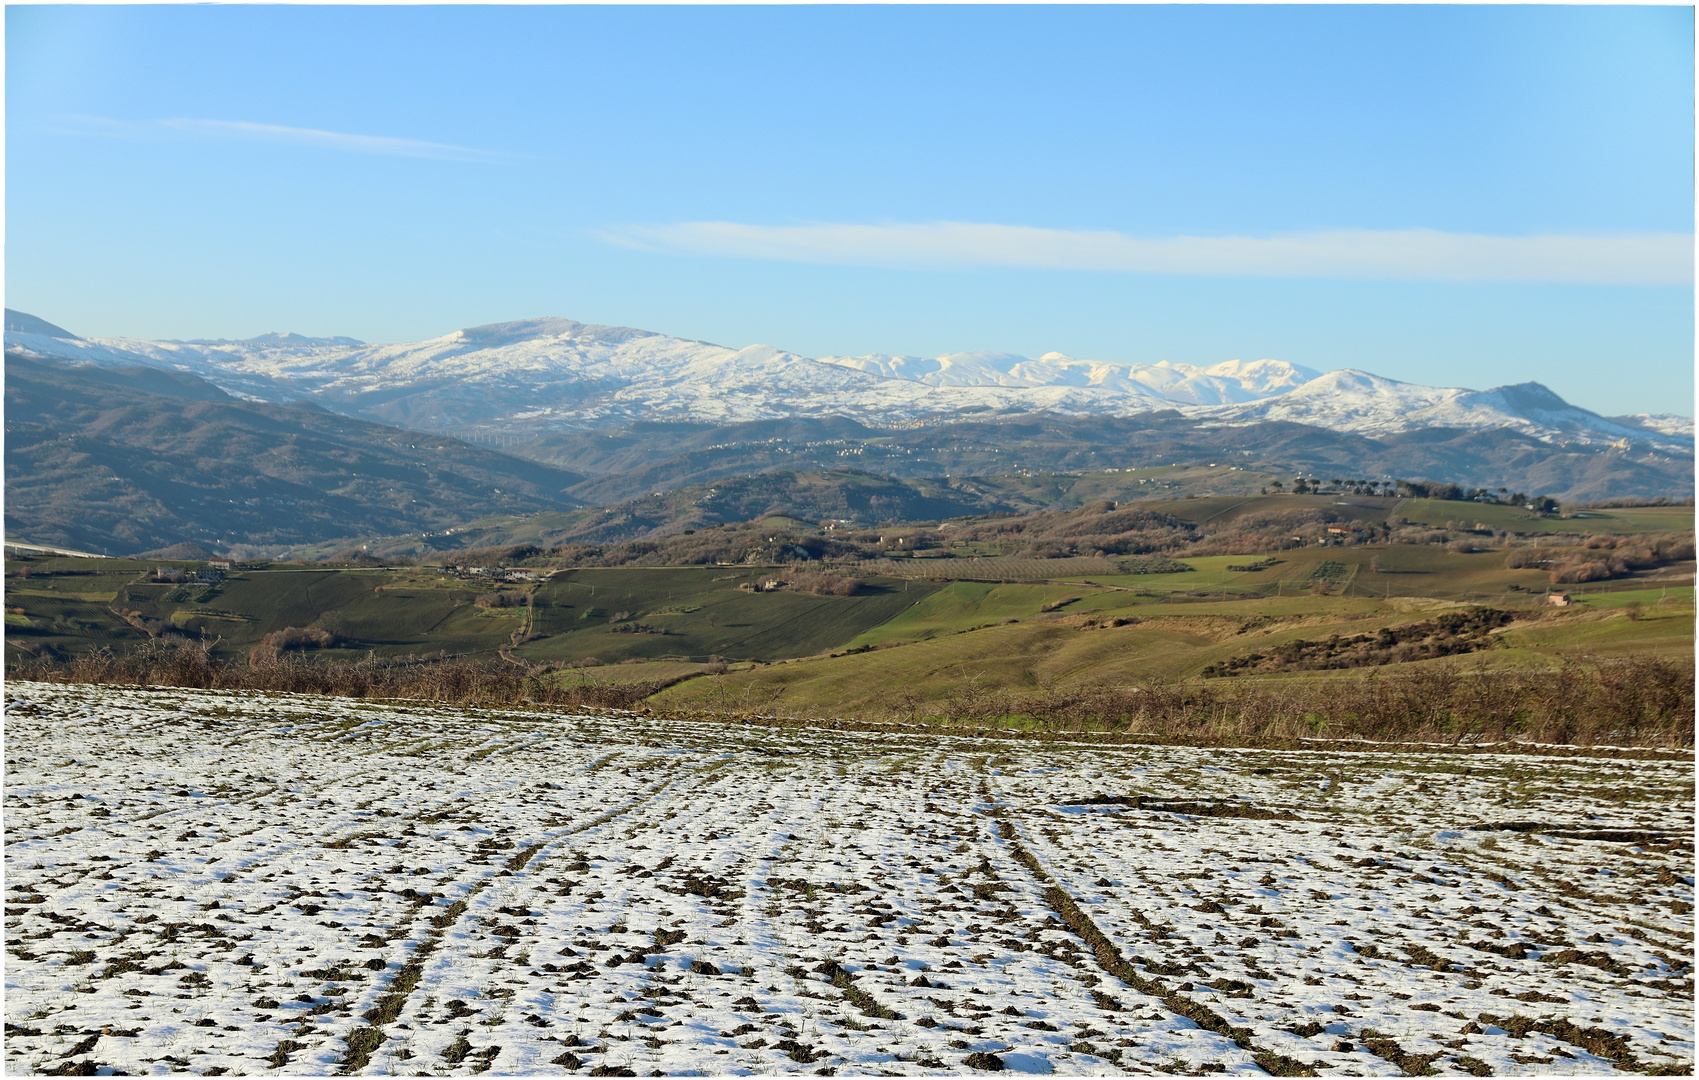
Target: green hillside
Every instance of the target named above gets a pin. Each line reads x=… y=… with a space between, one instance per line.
x=699 y=612
x=1640 y=519
x=675 y=612
x=897 y=634
x=133 y=460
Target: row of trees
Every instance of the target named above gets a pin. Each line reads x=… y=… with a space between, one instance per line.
x=1417 y=489
x=1600 y=558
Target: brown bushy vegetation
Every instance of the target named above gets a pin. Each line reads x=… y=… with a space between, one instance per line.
x=440 y=678
x=747 y=543
x=1099 y=528
x=1600 y=558
x=504 y=555
x=1451 y=634
x=299 y=638
x=821 y=583
x=1635 y=700
x=152 y=627
x=1270 y=531
x=1628 y=502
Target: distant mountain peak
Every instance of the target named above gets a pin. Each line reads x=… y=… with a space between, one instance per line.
x=491 y=335
x=291 y=338
x=18 y=322
x=503 y=333
x=285 y=339
x=1532 y=395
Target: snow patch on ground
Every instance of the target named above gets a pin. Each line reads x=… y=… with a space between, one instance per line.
x=223 y=882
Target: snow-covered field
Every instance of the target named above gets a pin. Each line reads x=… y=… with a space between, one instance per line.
x=212 y=882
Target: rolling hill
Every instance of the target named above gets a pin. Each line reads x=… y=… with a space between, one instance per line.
x=288 y=441
x=130 y=459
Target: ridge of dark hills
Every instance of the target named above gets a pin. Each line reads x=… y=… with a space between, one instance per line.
x=128 y=459
x=134 y=459
x=645 y=458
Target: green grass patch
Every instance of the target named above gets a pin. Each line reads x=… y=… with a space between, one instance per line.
x=1643 y=519
x=1676 y=598
x=703 y=613
x=964 y=605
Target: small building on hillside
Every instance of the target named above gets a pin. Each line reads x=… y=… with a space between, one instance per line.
x=1558 y=599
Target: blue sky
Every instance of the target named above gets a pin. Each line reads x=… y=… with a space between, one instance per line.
x=1451 y=195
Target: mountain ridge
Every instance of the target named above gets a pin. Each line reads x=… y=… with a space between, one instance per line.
x=141 y=458
x=531 y=376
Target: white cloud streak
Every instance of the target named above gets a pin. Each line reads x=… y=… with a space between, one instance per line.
x=384 y=145
x=1408 y=254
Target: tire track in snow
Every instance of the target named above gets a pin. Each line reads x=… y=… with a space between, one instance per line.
x=362 y=1042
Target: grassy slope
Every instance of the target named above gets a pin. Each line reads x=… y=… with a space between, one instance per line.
x=1028 y=656
x=957 y=638
x=704 y=613
x=412 y=611
x=1223 y=509
x=1640 y=519
x=415 y=612
x=950 y=634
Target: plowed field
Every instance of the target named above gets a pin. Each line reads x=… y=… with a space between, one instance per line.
x=211 y=882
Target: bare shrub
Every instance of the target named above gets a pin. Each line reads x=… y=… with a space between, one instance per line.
x=278 y=642
x=491 y=681
x=824 y=583
x=1639 y=700
x=1532 y=558
x=1576 y=571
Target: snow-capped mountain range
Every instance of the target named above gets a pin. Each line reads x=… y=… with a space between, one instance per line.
x=525 y=377
x=1164 y=385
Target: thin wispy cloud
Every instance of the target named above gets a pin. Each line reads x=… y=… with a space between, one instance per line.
x=247 y=131
x=332 y=140
x=1410 y=254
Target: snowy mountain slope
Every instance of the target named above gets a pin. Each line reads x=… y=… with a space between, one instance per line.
x=520 y=379
x=1366 y=404
x=542 y=372
x=1165 y=384
x=239 y=368
x=1662 y=423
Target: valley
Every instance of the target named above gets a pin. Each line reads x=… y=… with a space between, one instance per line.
x=967 y=621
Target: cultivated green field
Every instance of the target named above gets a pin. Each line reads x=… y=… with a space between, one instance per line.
x=928 y=666
x=1223 y=509
x=699 y=612
x=1639 y=519
x=682 y=612
x=913 y=633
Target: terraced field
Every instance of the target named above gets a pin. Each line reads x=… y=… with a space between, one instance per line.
x=220 y=883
